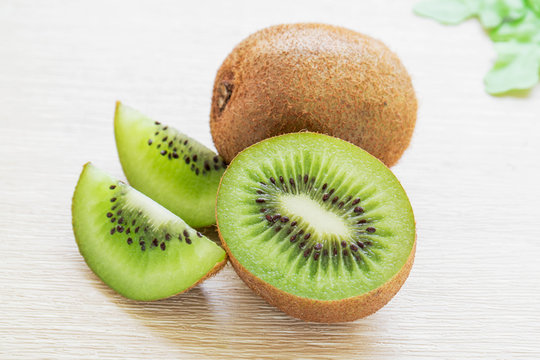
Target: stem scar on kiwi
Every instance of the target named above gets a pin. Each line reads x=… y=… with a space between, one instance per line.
x=317 y=226
x=317 y=77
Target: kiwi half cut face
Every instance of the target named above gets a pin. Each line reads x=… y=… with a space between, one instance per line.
x=136 y=246
x=316 y=226
x=173 y=169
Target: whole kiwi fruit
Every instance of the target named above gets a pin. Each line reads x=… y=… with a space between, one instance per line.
x=314 y=77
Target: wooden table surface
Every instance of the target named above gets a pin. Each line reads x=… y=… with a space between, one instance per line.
x=472 y=173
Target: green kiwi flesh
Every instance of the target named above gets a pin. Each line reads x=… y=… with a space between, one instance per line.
x=171 y=168
x=136 y=246
x=316 y=217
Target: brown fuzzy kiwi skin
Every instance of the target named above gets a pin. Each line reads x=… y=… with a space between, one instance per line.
x=314 y=77
x=321 y=311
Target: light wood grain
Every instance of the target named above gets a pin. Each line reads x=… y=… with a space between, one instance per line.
x=472 y=173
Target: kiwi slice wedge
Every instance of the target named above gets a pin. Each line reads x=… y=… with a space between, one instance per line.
x=317 y=226
x=171 y=168
x=136 y=246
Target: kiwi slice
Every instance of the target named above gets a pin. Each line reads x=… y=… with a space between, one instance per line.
x=171 y=168
x=316 y=226
x=136 y=246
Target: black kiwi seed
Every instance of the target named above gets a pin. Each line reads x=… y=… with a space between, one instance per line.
x=188 y=241
x=156 y=133
x=275 y=217
x=194 y=158
x=167 y=237
x=307 y=236
x=143 y=246
x=192 y=167
x=113 y=199
x=356 y=201
x=199 y=234
x=293 y=238
x=318 y=246
x=361 y=244
x=113 y=219
x=154 y=242
x=370 y=230
x=121 y=220
x=306 y=179
x=362 y=221
x=368 y=243
x=307 y=252
x=186 y=233
x=149 y=141
x=324 y=186
x=293 y=223
x=334 y=200
x=269 y=217
x=133 y=222
x=157 y=123
x=334 y=251
x=302 y=244
x=353 y=247
x=162 y=246
x=278 y=228
x=358 y=210
x=260 y=192
x=109 y=214
x=259 y=200
x=136 y=229
x=197 y=171
x=262 y=210
x=331 y=191
x=175 y=155
x=163 y=152
x=188 y=160
x=113 y=230
x=165 y=138
x=284 y=219
x=170 y=143
x=291 y=181
x=119 y=212
x=207 y=166
x=120 y=228
x=216 y=159
x=345 y=252
x=325 y=252
x=301 y=232
x=216 y=167
x=158 y=146
x=281 y=179
x=112 y=187
x=128 y=230
x=272 y=180
x=169 y=156
x=340 y=205
x=316 y=256
x=129 y=241
x=165 y=127
x=325 y=197
x=343 y=243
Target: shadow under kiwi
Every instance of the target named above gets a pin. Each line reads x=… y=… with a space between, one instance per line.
x=222 y=316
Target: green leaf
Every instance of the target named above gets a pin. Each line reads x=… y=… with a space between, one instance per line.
x=446 y=11
x=493 y=12
x=526 y=29
x=517 y=67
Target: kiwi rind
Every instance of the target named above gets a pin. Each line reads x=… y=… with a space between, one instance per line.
x=314 y=77
x=315 y=310
x=82 y=216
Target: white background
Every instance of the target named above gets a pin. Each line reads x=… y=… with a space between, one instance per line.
x=472 y=173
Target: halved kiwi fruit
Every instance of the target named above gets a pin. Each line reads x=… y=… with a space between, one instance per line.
x=171 y=168
x=136 y=246
x=316 y=226
x=315 y=77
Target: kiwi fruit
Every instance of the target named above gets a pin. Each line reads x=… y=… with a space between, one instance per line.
x=171 y=168
x=314 y=77
x=136 y=246
x=316 y=226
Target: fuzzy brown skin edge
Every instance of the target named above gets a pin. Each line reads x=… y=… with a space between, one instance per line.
x=377 y=113
x=324 y=311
